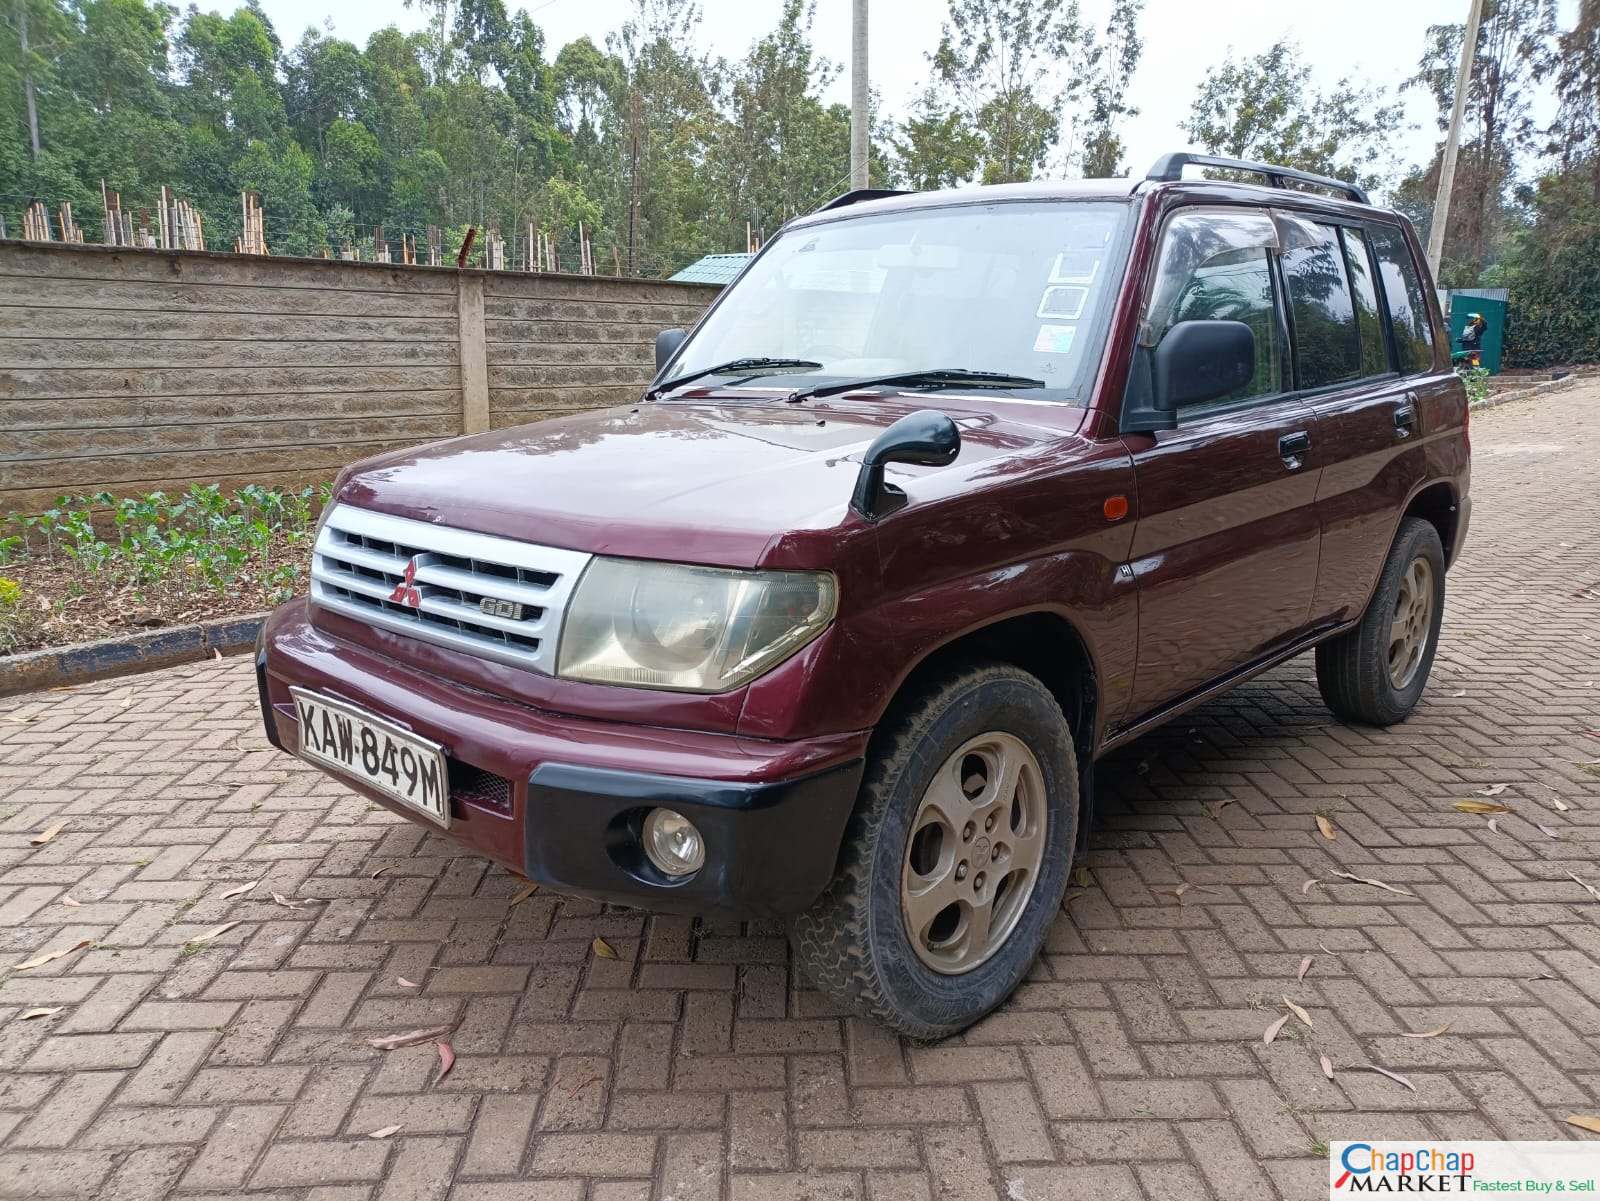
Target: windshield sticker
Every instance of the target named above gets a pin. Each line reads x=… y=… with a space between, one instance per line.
x=1075 y=267
x=1065 y=304
x=1054 y=339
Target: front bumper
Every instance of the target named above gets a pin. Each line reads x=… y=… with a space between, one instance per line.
x=560 y=799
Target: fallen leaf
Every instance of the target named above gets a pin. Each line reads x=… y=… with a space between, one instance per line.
x=1327 y=1067
x=1426 y=1033
x=410 y=1038
x=39 y=840
x=1559 y=804
x=1494 y=826
x=522 y=896
x=1374 y=883
x=1460 y=692
x=240 y=891
x=404 y=983
x=1272 y=1030
x=381 y=870
x=1306 y=888
x=1305 y=966
x=1326 y=827
x=1174 y=892
x=21 y=719
x=1299 y=1013
x=214 y=932
x=1541 y=976
x=1593 y=891
x=71 y=901
x=1216 y=808
x=216 y=654
x=581 y=1085
x=447 y=1060
x=603 y=949
x=1395 y=1076
x=1479 y=807
x=39 y=1013
x=1324 y=947
x=385 y=1132
x=126 y=699
x=1081 y=877
x=48 y=957
x=1584 y=1121
x=1493 y=790
x=287 y=903
x=1548 y=831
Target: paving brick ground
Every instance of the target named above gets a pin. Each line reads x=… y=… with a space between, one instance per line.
x=697 y=1065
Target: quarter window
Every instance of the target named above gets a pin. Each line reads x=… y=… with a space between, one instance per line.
x=1327 y=343
x=1374 y=354
x=1408 y=309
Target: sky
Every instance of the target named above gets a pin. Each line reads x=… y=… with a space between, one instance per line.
x=1377 y=41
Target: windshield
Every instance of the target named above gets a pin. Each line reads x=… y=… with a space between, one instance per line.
x=1019 y=288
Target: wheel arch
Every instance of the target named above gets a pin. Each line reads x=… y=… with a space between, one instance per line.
x=1046 y=644
x=1437 y=504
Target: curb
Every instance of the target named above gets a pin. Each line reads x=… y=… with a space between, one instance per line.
x=1553 y=385
x=58 y=666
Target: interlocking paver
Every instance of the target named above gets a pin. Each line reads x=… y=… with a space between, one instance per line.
x=697 y=1064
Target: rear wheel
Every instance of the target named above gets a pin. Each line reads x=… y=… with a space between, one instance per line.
x=1376 y=672
x=955 y=859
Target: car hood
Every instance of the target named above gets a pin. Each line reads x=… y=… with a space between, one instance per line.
x=711 y=481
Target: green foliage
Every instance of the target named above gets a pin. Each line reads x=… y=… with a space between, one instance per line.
x=202 y=540
x=1553 y=270
x=10 y=613
x=1267 y=108
x=1477 y=381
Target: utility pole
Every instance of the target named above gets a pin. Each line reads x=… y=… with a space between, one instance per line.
x=1452 y=140
x=27 y=78
x=858 y=98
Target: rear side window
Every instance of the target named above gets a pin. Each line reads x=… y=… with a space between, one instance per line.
x=1374 y=353
x=1408 y=310
x=1327 y=343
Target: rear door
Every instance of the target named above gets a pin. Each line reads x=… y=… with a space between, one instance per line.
x=1356 y=299
x=1225 y=550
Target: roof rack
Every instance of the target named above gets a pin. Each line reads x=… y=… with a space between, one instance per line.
x=860 y=194
x=1169 y=167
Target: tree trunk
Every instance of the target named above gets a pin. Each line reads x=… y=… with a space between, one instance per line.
x=27 y=78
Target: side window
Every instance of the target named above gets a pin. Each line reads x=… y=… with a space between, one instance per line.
x=1215 y=264
x=1374 y=351
x=1327 y=344
x=1408 y=310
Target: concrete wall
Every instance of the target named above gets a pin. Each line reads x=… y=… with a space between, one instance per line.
x=134 y=370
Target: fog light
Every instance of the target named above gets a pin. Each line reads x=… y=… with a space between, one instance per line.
x=672 y=842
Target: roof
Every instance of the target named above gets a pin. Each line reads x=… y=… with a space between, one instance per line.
x=713 y=269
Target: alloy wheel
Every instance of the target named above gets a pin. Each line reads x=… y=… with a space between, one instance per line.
x=1412 y=622
x=974 y=854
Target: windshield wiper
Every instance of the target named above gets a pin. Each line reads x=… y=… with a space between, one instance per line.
x=939 y=377
x=751 y=366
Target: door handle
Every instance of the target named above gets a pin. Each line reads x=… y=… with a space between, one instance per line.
x=1405 y=420
x=1292 y=446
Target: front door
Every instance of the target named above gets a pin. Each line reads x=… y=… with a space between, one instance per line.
x=1225 y=550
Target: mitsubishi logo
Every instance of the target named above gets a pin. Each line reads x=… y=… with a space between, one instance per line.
x=405 y=592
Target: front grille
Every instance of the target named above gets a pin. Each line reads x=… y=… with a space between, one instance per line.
x=478 y=787
x=360 y=564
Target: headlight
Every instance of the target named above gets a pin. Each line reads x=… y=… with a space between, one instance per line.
x=693 y=629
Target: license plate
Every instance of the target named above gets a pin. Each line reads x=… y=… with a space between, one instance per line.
x=377 y=752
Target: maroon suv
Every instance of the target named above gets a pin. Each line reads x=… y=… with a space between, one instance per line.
x=947 y=496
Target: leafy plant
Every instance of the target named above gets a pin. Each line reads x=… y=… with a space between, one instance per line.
x=1477 y=381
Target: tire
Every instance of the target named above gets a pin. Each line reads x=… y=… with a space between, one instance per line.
x=854 y=942
x=1355 y=671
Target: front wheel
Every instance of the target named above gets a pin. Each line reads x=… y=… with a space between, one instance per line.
x=955 y=859
x=1375 y=673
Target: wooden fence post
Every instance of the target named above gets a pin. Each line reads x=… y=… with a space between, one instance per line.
x=474 y=355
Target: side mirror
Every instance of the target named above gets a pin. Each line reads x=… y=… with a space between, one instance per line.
x=927 y=438
x=1196 y=361
x=667 y=343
